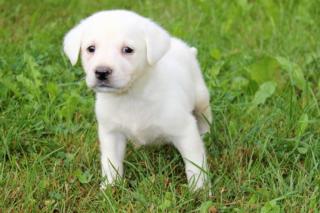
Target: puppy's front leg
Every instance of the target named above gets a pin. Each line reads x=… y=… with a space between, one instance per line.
x=191 y=148
x=112 y=148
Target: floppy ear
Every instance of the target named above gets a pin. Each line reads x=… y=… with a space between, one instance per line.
x=157 y=42
x=72 y=43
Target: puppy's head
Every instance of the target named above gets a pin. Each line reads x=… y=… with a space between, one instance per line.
x=116 y=47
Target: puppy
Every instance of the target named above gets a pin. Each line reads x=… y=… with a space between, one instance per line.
x=148 y=85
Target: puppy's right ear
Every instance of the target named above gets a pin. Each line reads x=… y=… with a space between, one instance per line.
x=72 y=43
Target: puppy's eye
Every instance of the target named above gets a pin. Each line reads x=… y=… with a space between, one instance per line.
x=127 y=50
x=91 y=49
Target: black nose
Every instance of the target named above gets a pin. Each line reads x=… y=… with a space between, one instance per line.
x=103 y=72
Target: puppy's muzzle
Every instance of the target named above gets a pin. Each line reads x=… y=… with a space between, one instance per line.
x=102 y=73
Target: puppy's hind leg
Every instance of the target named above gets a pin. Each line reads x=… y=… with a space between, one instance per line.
x=202 y=113
x=202 y=110
x=190 y=145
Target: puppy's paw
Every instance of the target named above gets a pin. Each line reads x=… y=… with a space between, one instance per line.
x=199 y=182
x=105 y=184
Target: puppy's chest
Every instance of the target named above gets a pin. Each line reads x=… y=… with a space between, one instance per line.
x=142 y=136
x=139 y=122
x=140 y=127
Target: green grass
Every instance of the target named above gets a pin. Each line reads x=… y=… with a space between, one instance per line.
x=261 y=61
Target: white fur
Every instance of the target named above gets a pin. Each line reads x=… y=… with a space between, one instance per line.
x=156 y=92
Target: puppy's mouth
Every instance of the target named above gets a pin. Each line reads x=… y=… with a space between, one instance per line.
x=105 y=87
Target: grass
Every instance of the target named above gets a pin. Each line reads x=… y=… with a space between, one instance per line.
x=261 y=61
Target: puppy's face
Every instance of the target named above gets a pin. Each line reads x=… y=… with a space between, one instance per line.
x=116 y=48
x=112 y=58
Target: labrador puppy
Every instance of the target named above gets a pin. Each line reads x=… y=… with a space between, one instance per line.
x=148 y=86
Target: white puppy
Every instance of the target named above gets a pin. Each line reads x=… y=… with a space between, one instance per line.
x=148 y=85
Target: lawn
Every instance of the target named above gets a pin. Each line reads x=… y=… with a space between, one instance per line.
x=261 y=62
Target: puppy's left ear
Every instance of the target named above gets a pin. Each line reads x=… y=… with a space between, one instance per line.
x=72 y=43
x=157 y=42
